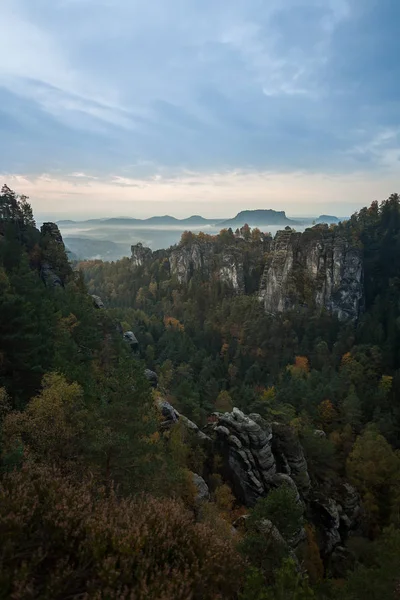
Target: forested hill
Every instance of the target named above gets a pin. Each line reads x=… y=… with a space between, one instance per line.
x=262 y=459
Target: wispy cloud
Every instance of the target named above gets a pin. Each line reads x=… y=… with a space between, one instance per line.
x=127 y=90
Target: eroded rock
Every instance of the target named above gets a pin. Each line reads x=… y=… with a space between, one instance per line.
x=131 y=339
x=317 y=269
x=203 y=493
x=151 y=377
x=140 y=254
x=290 y=456
x=98 y=302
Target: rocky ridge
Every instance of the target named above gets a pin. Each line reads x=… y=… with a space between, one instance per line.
x=317 y=269
x=259 y=457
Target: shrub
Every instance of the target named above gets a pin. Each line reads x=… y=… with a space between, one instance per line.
x=62 y=540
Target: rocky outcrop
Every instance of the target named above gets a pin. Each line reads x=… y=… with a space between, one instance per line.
x=55 y=267
x=51 y=231
x=151 y=377
x=259 y=457
x=207 y=260
x=335 y=516
x=317 y=269
x=231 y=262
x=246 y=447
x=326 y=517
x=131 y=339
x=290 y=456
x=49 y=276
x=140 y=254
x=98 y=302
x=202 y=491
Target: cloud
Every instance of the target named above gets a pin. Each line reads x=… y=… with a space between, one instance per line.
x=220 y=194
x=134 y=90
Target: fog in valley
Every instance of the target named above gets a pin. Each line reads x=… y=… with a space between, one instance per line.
x=112 y=242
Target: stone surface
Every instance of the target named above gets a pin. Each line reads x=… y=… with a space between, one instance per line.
x=140 y=254
x=49 y=277
x=327 y=519
x=98 y=302
x=249 y=461
x=290 y=456
x=205 y=259
x=203 y=493
x=152 y=377
x=259 y=457
x=317 y=269
x=131 y=339
x=51 y=230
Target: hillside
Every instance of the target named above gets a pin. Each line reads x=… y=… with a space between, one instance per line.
x=166 y=435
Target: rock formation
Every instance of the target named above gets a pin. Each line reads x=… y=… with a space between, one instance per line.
x=202 y=491
x=140 y=254
x=131 y=339
x=51 y=231
x=317 y=269
x=55 y=266
x=205 y=259
x=49 y=277
x=97 y=301
x=259 y=457
x=290 y=456
x=151 y=377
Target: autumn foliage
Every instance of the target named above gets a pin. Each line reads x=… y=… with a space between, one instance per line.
x=74 y=541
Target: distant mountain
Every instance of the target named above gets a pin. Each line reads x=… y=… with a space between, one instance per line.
x=327 y=219
x=130 y=221
x=257 y=218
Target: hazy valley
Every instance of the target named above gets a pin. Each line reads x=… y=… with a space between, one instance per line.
x=111 y=239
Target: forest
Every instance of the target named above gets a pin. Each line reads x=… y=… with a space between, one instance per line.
x=97 y=498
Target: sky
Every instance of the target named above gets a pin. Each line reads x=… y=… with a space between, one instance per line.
x=136 y=108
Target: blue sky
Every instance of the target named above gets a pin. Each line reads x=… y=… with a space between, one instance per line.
x=181 y=106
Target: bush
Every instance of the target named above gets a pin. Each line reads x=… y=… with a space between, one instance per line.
x=62 y=540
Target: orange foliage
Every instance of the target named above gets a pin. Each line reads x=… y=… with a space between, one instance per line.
x=224 y=349
x=327 y=412
x=172 y=323
x=347 y=360
x=312 y=558
x=301 y=367
x=70 y=541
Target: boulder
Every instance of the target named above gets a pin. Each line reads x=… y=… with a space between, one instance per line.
x=151 y=377
x=131 y=339
x=98 y=302
x=203 y=493
x=290 y=457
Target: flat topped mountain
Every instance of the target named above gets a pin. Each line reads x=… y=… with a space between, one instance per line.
x=259 y=217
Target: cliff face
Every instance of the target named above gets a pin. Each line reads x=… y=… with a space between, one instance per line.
x=317 y=269
x=314 y=270
x=204 y=258
x=140 y=254
x=54 y=266
x=207 y=260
